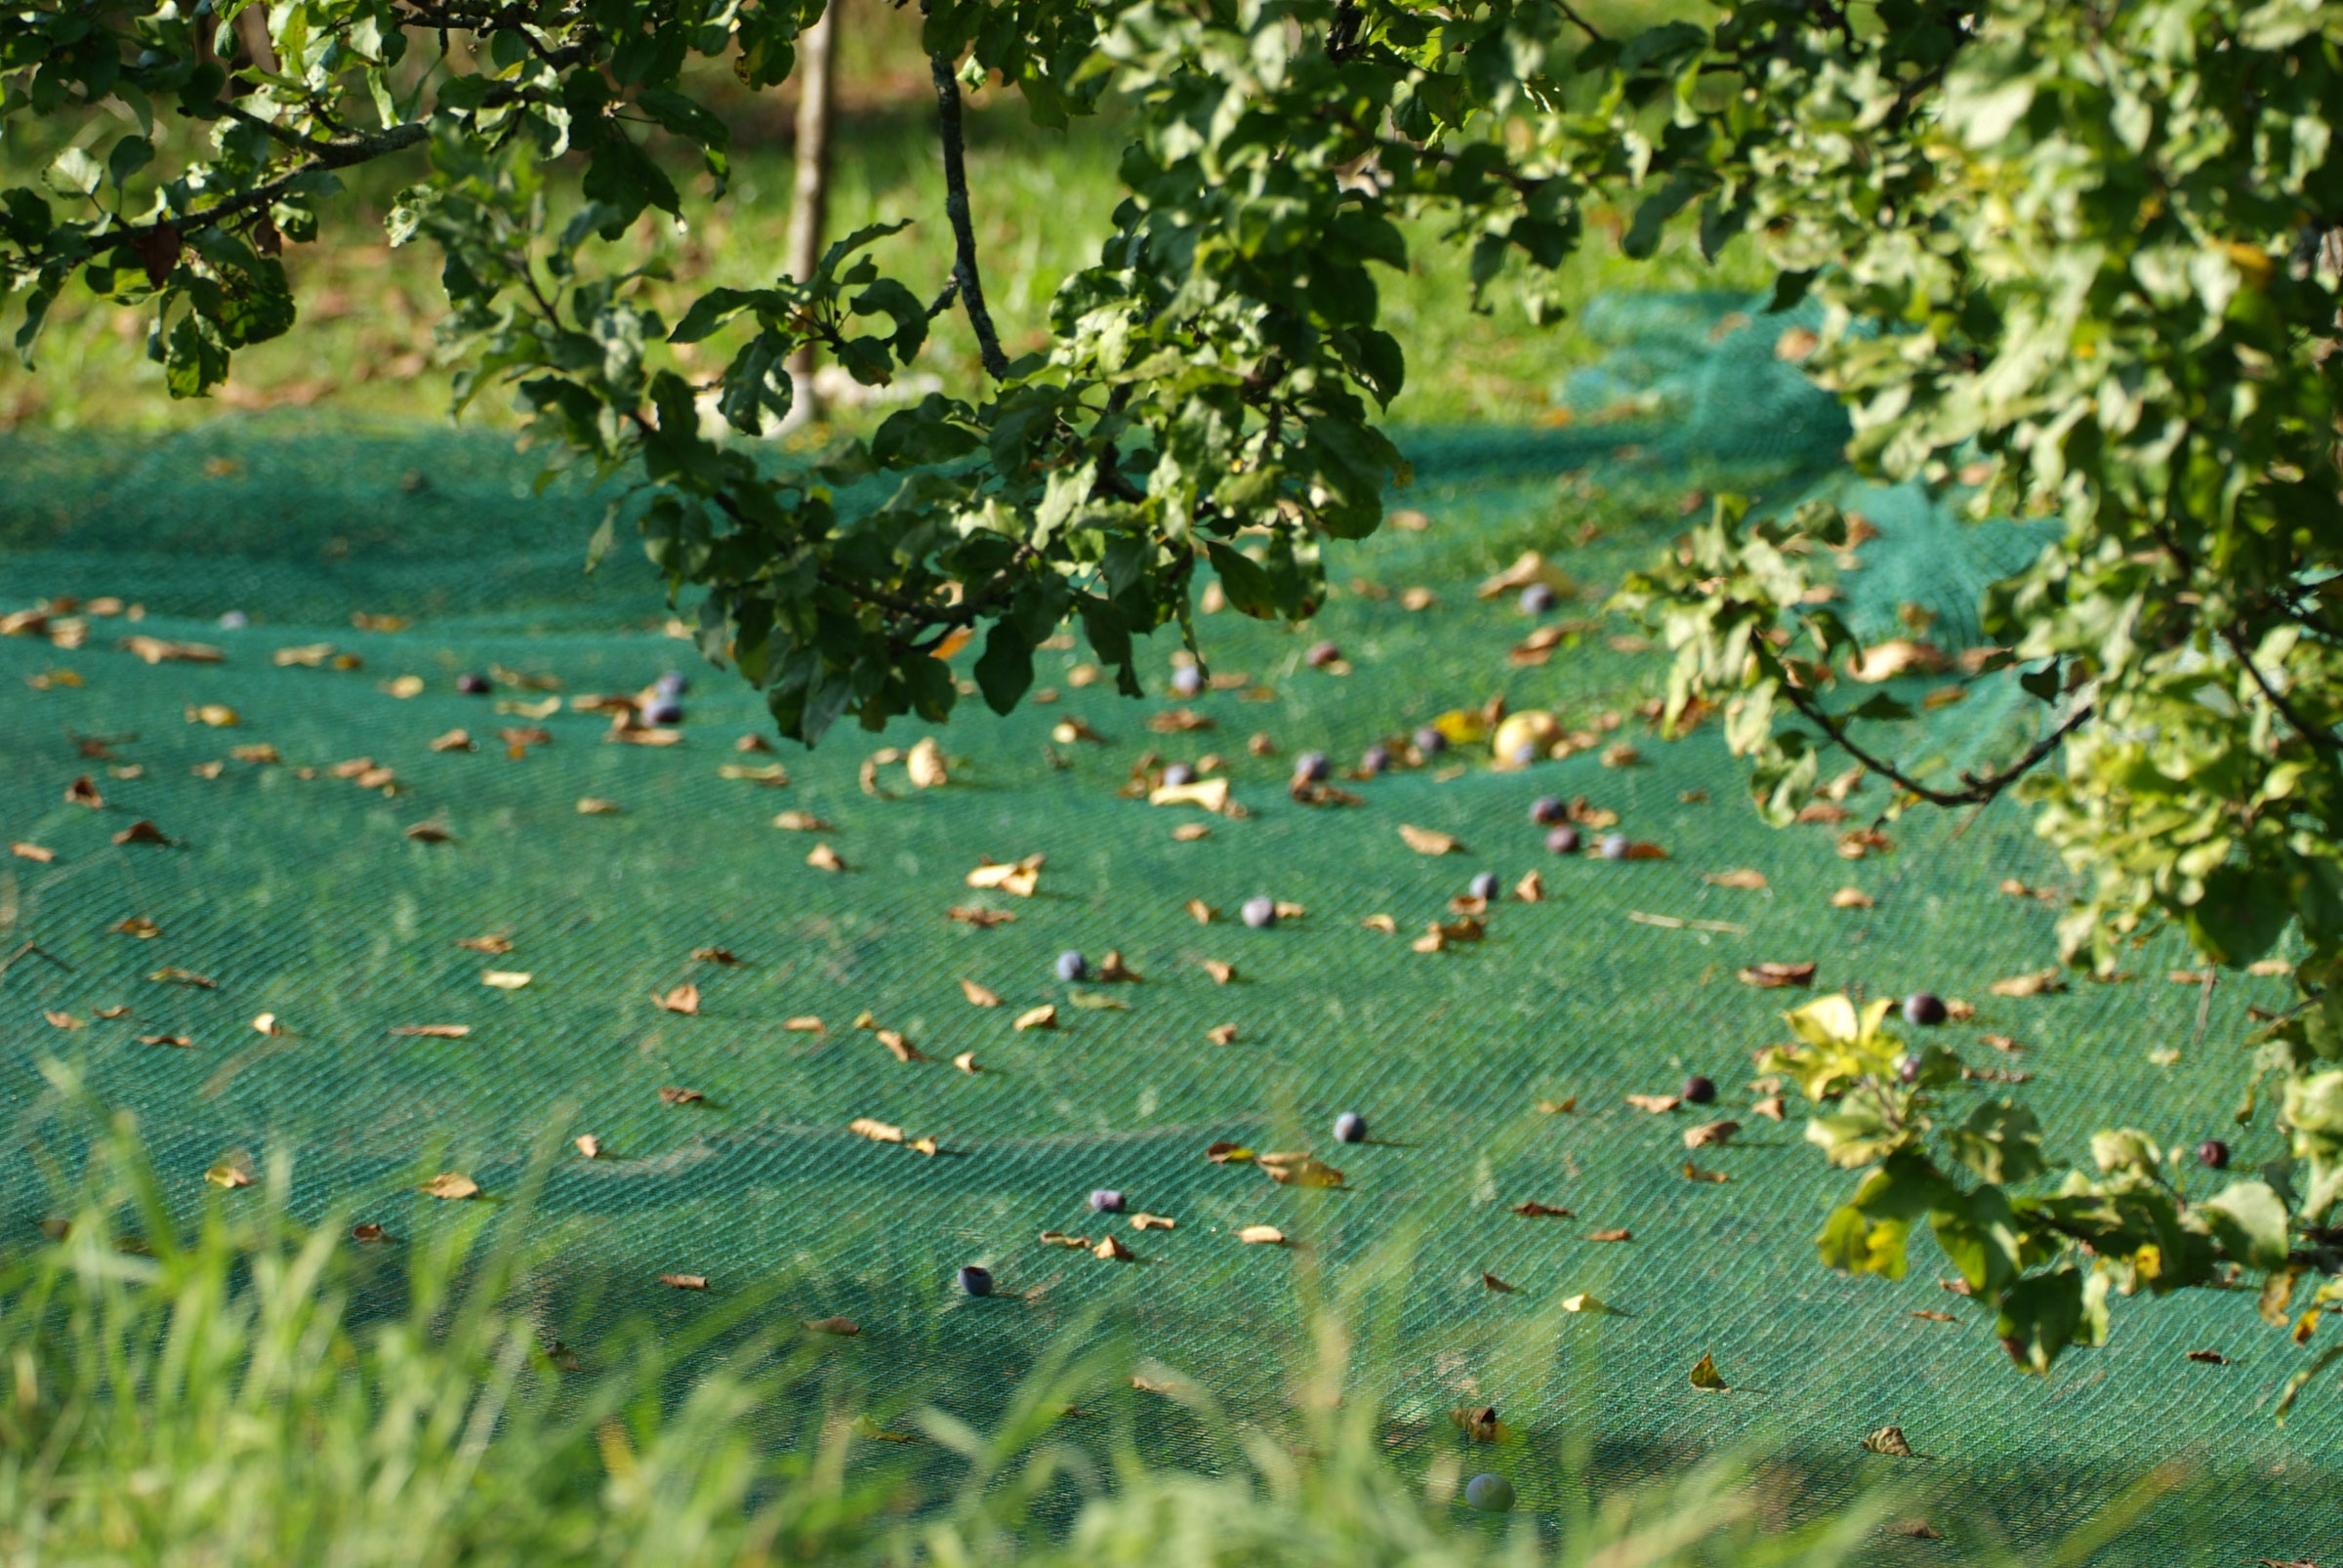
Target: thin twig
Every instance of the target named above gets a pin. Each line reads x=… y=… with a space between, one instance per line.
x=1577 y=20
x=1975 y=790
x=956 y=208
x=35 y=950
x=2323 y=739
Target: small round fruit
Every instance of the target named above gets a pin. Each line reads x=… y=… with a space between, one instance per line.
x=1312 y=768
x=975 y=1280
x=1350 y=1128
x=1187 y=680
x=1483 y=886
x=1374 y=759
x=1922 y=1010
x=1546 y=811
x=1907 y=1067
x=670 y=684
x=1321 y=655
x=1564 y=840
x=1699 y=1091
x=472 y=685
x=1072 y=966
x=1107 y=1201
x=1177 y=774
x=1430 y=741
x=1490 y=1493
x=1537 y=600
x=663 y=711
x=1614 y=846
x=234 y=621
x=2213 y=1154
x=1258 y=913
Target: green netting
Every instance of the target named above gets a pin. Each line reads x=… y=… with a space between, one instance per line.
x=303 y=896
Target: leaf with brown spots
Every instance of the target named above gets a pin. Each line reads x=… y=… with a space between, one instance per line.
x=366 y=1233
x=1227 y=1153
x=1704 y=1376
x=979 y=996
x=681 y=1097
x=1559 y=1107
x=450 y=1186
x=685 y=999
x=228 y=1175
x=181 y=1042
x=2212 y=1358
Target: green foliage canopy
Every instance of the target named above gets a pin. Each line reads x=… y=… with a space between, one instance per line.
x=2077 y=259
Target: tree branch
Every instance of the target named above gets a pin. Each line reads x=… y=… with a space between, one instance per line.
x=956 y=208
x=1975 y=789
x=1577 y=20
x=2320 y=740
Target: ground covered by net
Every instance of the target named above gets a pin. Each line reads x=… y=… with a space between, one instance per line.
x=329 y=848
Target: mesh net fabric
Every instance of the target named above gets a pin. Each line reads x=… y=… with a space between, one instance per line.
x=306 y=898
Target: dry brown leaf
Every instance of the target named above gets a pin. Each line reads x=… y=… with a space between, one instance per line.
x=1221 y=1034
x=1058 y=1238
x=2040 y=982
x=1693 y=1172
x=1710 y=1133
x=876 y=1132
x=434 y=1031
x=1180 y=721
x=2191 y=976
x=2212 y=1358
x=269 y=1024
x=1559 y=1107
x=1610 y=1235
x=1043 y=1016
x=173 y=975
x=141 y=832
x=1528 y=568
x=1113 y=970
x=588 y=1145
x=966 y=1062
x=643 y=736
x=1772 y=975
x=1220 y=973
x=1534 y=1210
x=595 y=806
x=1492 y=1282
x=138 y=925
x=801 y=822
x=451 y=1186
x=674 y=1096
x=367 y=1233
x=806 y=1024
x=1704 y=1375
x=1772 y=1107
x=924 y=765
x=1933 y=1317
x=490 y=945
x=902 y=1049
x=2004 y=1043
x=979 y=996
x=1019 y=876
x=1896 y=656
x=1112 y=1249
x=1300 y=1170
x=824 y=858
x=1889 y=1440
x=1381 y=923
x=1530 y=889
x=684 y=1282
x=1745 y=879
x=162 y=650
x=61 y=1020
x=505 y=979
x=1261 y=1236
x=1153 y=1223
x=181 y=1040
x=684 y=998
x=717 y=955
x=1428 y=841
x=429 y=833
x=1205 y=793
x=1189 y=833
x=982 y=918
x=1657 y=1104
x=37 y=854
x=843 y=1327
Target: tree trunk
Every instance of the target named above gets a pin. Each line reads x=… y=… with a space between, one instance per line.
x=809 y=201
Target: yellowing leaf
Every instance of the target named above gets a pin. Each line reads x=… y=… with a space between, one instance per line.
x=218 y=715
x=1889 y=1440
x=1043 y=1016
x=876 y=1132
x=595 y=806
x=505 y=979
x=1657 y=1104
x=1693 y=1172
x=979 y=996
x=450 y=1185
x=1427 y=841
x=1300 y=1170
x=229 y=1176
x=1704 y=1375
x=2039 y=982
x=1019 y=876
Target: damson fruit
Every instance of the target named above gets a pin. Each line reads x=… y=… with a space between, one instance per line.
x=1537 y=600
x=2213 y=1154
x=1321 y=654
x=663 y=711
x=1072 y=967
x=1923 y=1009
x=472 y=685
x=1564 y=840
x=977 y=1281
x=1490 y=1493
x=1699 y=1091
x=670 y=684
x=1187 y=680
x=1350 y=1128
x=1107 y=1201
x=1312 y=768
x=1482 y=886
x=1546 y=811
x=1374 y=759
x=1614 y=846
x=1430 y=741
x=1258 y=913
x=1180 y=773
x=1907 y=1067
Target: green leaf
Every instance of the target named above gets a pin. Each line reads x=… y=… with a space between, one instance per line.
x=1005 y=670
x=1247 y=587
x=2001 y=1141
x=2249 y=1222
x=2240 y=916
x=2039 y=1317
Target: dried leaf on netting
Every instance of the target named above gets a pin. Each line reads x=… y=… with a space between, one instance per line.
x=926 y=766
x=1772 y=975
x=525 y=736
x=901 y=1048
x=822 y=857
x=1058 y=1238
x=1929 y=1315
x=1922 y=1530
x=1205 y=793
x=805 y=1024
x=1704 y=1375
x=770 y=774
x=1527 y=569
x=1300 y=1169
x=229 y=1174
x=1586 y=1301
x=1959 y=1011
x=138 y=925
x=211 y=770
x=1657 y=1104
x=1850 y=898
x=366 y=1233
x=1889 y=1440
x=1110 y=1247
x=2189 y=976
x=674 y=1096
x=60 y=1021
x=1693 y=1172
x=1019 y=876
x=351 y=767
x=1428 y=841
x=268 y=1023
x=171 y=974
x=141 y=832
x=1145 y=1221
x=261 y=754
x=685 y=999
x=1708 y=1134
x=1221 y=973
x=403 y=686
x=2004 y=1043
x=492 y=945
x=434 y=1031
x=1190 y=832
x=2269 y=968
x=643 y=736
x=723 y=955
x=1492 y=1282
x=1097 y=1002
x=110 y=1013
x=81 y=792
x=801 y=822
x=1043 y=1016
x=451 y=1186
x=1559 y=1107
x=595 y=806
x=1534 y=1210
x=505 y=979
x=2212 y=1358
x=1610 y=1235
x=982 y=918
x=179 y=1041
x=2040 y=982
x=1896 y=656
x=1858 y=843
x=454 y=740
x=684 y=1282
x=876 y=1131
x=978 y=995
x=588 y=1145
x=1745 y=879
x=1112 y=971
x=40 y=855
x=1221 y=1034
x=1226 y=1153
x=966 y=1062
x=1381 y=923
x=1771 y=1106
x=162 y=650
x=1261 y=1236
x=1288 y=910
x=1530 y=889
x=843 y=1327
x=429 y=833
